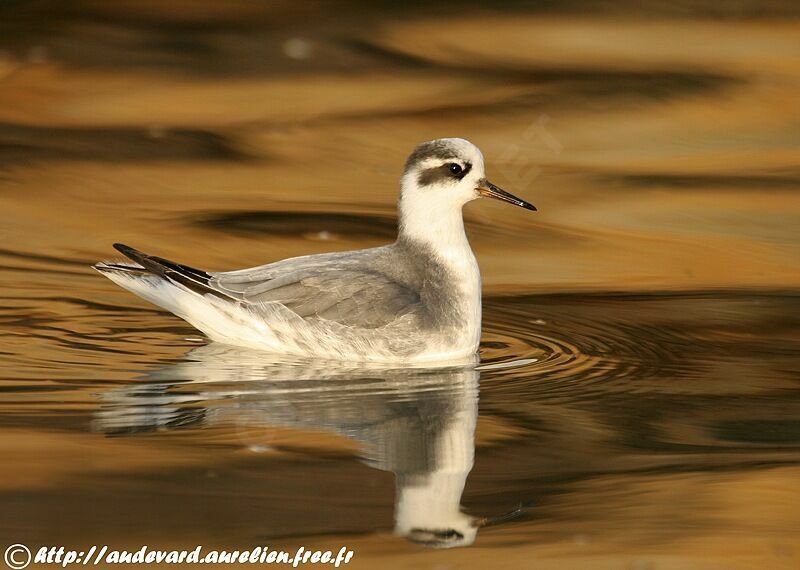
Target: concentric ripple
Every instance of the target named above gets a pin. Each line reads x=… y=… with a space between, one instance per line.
x=612 y=342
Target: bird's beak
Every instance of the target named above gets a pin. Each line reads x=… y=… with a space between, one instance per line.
x=489 y=190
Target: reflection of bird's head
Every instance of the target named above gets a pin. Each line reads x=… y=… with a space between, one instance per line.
x=461 y=530
x=423 y=519
x=428 y=501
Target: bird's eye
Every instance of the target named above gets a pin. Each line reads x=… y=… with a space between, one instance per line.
x=455 y=168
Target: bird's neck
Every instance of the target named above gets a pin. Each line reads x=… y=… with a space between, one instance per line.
x=439 y=228
x=439 y=232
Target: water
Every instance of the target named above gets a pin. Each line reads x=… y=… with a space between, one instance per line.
x=636 y=401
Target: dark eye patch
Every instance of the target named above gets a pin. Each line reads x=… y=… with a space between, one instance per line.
x=439 y=174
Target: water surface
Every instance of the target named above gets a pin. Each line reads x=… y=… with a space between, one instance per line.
x=636 y=399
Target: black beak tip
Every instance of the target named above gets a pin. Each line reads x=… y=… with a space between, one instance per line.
x=491 y=191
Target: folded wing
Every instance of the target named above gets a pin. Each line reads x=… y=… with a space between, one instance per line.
x=350 y=296
x=314 y=287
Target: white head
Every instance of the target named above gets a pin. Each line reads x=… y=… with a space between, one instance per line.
x=440 y=177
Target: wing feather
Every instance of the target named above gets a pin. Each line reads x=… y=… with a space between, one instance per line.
x=347 y=289
x=350 y=294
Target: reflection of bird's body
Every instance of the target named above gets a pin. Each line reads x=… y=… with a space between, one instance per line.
x=416 y=422
x=417 y=299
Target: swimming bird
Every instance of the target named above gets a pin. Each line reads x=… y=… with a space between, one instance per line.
x=415 y=300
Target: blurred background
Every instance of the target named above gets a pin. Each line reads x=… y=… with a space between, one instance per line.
x=661 y=142
x=653 y=296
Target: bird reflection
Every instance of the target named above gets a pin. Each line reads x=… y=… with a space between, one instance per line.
x=418 y=423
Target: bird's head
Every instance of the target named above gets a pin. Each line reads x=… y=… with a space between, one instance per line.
x=448 y=173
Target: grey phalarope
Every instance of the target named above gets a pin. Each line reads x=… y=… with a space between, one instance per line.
x=415 y=300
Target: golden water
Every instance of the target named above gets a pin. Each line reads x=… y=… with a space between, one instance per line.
x=639 y=393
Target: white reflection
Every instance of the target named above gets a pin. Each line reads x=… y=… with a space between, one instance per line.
x=416 y=422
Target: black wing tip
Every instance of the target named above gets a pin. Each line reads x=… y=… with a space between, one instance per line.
x=128 y=251
x=193 y=279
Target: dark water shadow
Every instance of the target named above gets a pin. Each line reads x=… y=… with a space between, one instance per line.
x=24 y=143
x=331 y=225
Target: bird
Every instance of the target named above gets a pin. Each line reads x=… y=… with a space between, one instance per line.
x=416 y=300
